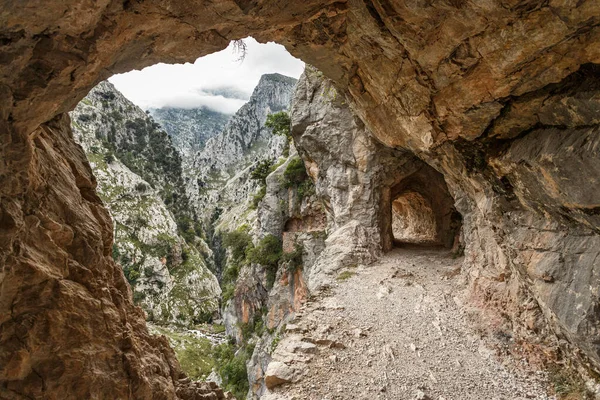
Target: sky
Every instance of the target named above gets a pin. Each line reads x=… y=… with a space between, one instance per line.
x=204 y=82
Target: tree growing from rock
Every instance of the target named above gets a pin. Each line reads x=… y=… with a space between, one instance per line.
x=280 y=123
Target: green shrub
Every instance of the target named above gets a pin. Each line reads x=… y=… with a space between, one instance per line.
x=237 y=241
x=232 y=272
x=257 y=198
x=109 y=158
x=138 y=297
x=306 y=189
x=262 y=170
x=267 y=253
x=228 y=292
x=132 y=273
x=232 y=368
x=568 y=384
x=293 y=259
x=295 y=173
x=255 y=326
x=280 y=123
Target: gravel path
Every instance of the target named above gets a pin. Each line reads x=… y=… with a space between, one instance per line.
x=396 y=330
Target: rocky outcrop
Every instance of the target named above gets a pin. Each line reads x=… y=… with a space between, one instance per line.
x=189 y=130
x=499 y=97
x=356 y=177
x=82 y=336
x=221 y=169
x=169 y=276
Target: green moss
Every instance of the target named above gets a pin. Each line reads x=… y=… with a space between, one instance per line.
x=346 y=275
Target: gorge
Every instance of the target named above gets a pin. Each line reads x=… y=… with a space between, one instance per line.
x=480 y=119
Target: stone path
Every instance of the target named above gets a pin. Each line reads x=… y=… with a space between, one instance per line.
x=395 y=330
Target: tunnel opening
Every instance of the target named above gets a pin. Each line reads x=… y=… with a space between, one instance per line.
x=421 y=211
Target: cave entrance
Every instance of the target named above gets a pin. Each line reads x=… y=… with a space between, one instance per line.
x=421 y=211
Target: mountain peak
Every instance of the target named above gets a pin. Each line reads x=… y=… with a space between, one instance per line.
x=275 y=77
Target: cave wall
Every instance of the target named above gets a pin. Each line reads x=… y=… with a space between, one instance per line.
x=68 y=327
x=413 y=219
x=500 y=96
x=435 y=200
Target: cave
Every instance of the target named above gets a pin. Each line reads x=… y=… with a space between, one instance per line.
x=422 y=211
x=502 y=105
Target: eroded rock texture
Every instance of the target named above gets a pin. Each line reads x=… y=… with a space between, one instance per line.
x=68 y=326
x=499 y=96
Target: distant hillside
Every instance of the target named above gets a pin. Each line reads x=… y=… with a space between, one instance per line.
x=157 y=237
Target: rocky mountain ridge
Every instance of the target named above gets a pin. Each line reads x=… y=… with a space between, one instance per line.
x=169 y=273
x=227 y=157
x=189 y=130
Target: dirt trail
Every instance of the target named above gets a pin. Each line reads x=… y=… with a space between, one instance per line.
x=396 y=330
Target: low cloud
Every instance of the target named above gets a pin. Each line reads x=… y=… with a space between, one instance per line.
x=198 y=100
x=219 y=81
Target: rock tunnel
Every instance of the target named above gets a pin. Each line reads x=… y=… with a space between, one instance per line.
x=501 y=97
x=422 y=210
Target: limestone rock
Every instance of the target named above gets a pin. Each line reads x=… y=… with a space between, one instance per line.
x=277 y=374
x=219 y=170
x=148 y=242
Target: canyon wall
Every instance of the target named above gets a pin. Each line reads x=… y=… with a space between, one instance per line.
x=158 y=237
x=501 y=97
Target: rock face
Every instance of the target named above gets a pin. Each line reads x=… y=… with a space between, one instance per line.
x=189 y=130
x=356 y=178
x=498 y=97
x=221 y=169
x=169 y=277
x=83 y=302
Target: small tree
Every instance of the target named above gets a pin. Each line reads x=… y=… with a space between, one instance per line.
x=280 y=123
x=109 y=158
x=262 y=170
x=295 y=173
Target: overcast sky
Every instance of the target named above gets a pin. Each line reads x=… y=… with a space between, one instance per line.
x=194 y=85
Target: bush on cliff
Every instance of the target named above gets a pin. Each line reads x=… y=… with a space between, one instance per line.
x=267 y=253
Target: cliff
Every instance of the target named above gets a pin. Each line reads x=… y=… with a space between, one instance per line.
x=169 y=275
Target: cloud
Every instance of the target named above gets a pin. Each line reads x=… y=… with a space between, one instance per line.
x=197 y=100
x=218 y=81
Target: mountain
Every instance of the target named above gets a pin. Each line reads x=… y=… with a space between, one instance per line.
x=220 y=171
x=157 y=236
x=189 y=129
